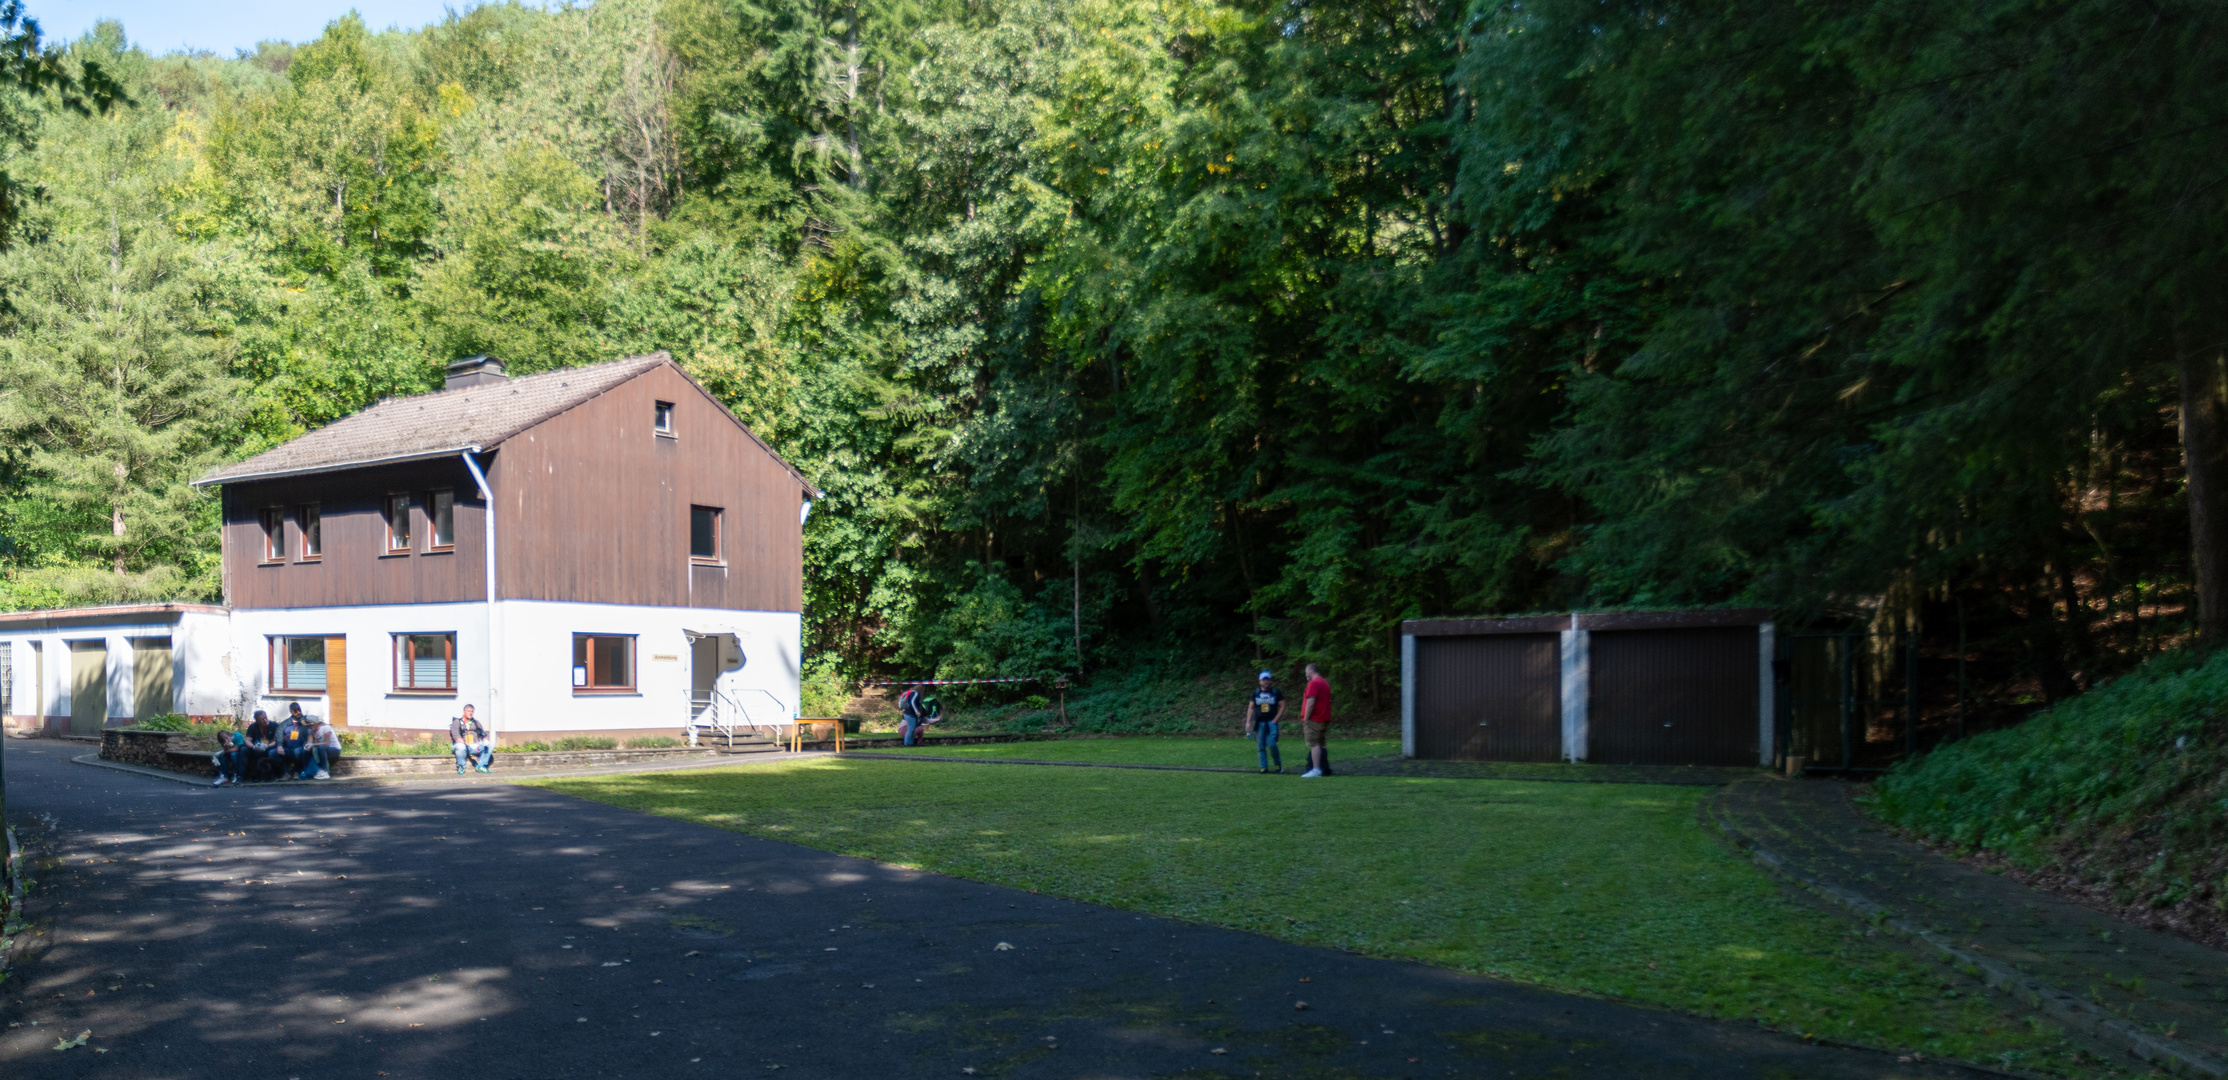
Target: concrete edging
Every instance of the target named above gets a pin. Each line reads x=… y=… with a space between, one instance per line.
x=2060 y=1004
x=501 y=776
x=885 y=756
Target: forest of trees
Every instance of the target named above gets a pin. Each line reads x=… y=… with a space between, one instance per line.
x=1119 y=331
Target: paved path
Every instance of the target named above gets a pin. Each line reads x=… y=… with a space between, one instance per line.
x=505 y=933
x=2161 y=996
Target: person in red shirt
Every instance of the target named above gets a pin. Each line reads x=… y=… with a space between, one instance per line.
x=1315 y=722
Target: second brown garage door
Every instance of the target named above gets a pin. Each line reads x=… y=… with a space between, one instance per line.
x=1673 y=697
x=1492 y=697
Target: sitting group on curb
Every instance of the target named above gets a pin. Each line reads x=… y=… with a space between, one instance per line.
x=301 y=748
x=305 y=748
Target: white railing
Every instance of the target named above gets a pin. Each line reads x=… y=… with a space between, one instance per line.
x=723 y=715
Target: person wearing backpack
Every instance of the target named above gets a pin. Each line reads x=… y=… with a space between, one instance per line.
x=915 y=711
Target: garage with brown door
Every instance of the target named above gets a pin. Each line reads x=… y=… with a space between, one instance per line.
x=1490 y=689
x=1617 y=688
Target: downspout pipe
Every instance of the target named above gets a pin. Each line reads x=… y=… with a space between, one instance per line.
x=494 y=616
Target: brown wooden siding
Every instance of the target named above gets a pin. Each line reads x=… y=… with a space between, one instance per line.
x=593 y=507
x=354 y=569
x=1673 y=697
x=1489 y=698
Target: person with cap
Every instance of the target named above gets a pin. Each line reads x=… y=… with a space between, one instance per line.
x=297 y=761
x=1263 y=713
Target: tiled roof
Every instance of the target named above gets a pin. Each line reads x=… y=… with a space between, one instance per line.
x=437 y=424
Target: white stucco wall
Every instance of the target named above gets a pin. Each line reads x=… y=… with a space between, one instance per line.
x=538 y=665
x=372 y=699
x=221 y=664
x=199 y=684
x=537 y=690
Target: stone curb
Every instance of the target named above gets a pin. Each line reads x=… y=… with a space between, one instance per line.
x=2065 y=1007
x=879 y=756
x=11 y=945
x=499 y=777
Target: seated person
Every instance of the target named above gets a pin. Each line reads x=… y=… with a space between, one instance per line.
x=471 y=743
x=231 y=759
x=324 y=748
x=293 y=744
x=261 y=761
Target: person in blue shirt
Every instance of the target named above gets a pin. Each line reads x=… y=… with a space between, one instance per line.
x=231 y=759
x=1263 y=712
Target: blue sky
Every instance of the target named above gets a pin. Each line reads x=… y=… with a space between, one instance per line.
x=222 y=26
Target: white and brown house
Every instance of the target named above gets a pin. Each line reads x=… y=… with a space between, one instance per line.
x=598 y=550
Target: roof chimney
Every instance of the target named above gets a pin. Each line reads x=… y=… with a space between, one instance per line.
x=475 y=371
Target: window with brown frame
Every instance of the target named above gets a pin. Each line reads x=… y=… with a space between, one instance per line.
x=274 y=535
x=704 y=534
x=398 y=524
x=602 y=662
x=425 y=661
x=440 y=508
x=664 y=423
x=313 y=531
x=298 y=663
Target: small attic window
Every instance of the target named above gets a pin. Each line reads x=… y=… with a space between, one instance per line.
x=664 y=425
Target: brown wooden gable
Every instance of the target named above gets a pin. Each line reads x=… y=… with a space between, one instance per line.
x=594 y=505
x=594 y=508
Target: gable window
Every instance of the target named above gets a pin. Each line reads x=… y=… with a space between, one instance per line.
x=298 y=663
x=441 y=512
x=704 y=534
x=274 y=535
x=313 y=531
x=398 y=524
x=664 y=424
x=603 y=661
x=425 y=661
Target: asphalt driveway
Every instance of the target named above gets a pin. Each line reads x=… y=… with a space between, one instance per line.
x=504 y=933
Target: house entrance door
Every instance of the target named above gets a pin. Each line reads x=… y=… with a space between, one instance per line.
x=88 y=687
x=703 y=674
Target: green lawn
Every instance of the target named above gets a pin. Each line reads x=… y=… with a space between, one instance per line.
x=1233 y=752
x=1610 y=889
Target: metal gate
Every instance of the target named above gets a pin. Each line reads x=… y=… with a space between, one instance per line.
x=1495 y=697
x=1683 y=696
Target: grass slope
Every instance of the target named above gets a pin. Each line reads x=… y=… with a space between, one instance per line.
x=1233 y=753
x=2117 y=795
x=1611 y=890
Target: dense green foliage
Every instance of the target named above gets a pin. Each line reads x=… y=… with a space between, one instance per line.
x=2122 y=786
x=1607 y=889
x=1136 y=332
